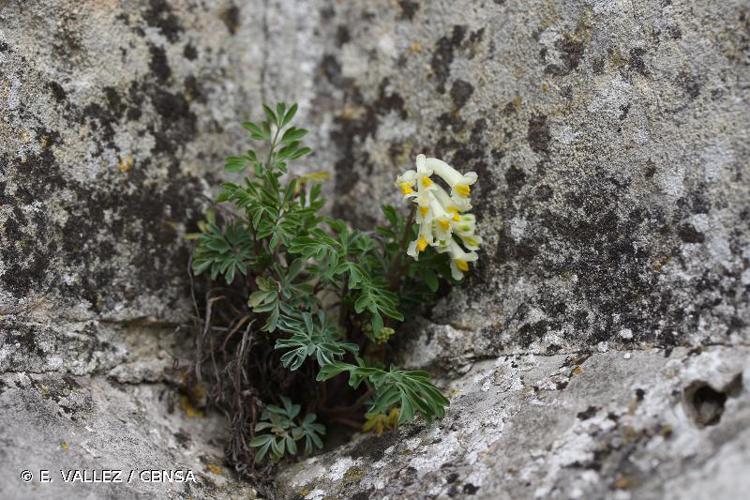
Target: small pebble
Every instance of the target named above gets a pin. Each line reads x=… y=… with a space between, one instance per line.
x=626 y=333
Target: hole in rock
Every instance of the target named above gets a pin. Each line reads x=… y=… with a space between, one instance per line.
x=705 y=404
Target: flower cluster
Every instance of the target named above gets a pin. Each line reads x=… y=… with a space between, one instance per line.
x=442 y=217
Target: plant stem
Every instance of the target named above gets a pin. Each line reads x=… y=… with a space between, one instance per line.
x=342 y=410
x=273 y=146
x=396 y=266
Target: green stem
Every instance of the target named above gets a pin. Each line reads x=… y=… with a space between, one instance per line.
x=397 y=263
x=273 y=146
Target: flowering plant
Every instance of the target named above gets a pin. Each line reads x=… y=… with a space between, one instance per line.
x=302 y=307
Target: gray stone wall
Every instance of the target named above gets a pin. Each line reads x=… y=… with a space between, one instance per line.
x=616 y=425
x=611 y=141
x=116 y=118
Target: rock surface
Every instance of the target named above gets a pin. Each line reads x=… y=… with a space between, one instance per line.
x=640 y=424
x=611 y=141
x=116 y=117
x=75 y=428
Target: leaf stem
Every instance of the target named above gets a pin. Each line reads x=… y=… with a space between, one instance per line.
x=273 y=146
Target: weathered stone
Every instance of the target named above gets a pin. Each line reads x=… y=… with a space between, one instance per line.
x=115 y=124
x=612 y=198
x=116 y=118
x=89 y=424
x=609 y=141
x=604 y=425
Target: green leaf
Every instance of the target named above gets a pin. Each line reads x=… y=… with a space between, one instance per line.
x=284 y=430
x=236 y=163
x=270 y=115
x=260 y=440
x=312 y=432
x=255 y=131
x=311 y=337
x=293 y=135
x=412 y=391
x=375 y=298
x=300 y=153
x=277 y=448
x=292 y=410
x=332 y=369
x=291 y=446
x=263 y=443
x=288 y=150
x=223 y=251
x=431 y=280
x=280 y=110
x=289 y=114
x=391 y=215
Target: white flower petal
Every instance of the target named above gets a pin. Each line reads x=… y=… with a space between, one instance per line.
x=470 y=178
x=456 y=272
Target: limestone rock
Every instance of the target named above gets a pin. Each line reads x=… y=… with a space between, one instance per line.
x=115 y=120
x=610 y=141
x=642 y=424
x=86 y=425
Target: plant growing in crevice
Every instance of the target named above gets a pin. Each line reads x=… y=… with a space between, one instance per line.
x=302 y=306
x=280 y=428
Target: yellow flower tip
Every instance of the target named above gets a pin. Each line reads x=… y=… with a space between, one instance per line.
x=381 y=422
x=421 y=244
x=424 y=211
x=456 y=217
x=470 y=241
x=393 y=417
x=462 y=265
x=463 y=190
x=444 y=224
x=406 y=188
x=426 y=182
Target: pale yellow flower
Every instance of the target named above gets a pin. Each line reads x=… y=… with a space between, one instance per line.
x=459 y=183
x=442 y=217
x=459 y=258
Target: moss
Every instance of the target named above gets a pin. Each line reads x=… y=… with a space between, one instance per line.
x=353 y=474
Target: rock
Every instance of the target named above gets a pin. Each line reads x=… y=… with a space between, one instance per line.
x=115 y=123
x=68 y=425
x=560 y=426
x=609 y=142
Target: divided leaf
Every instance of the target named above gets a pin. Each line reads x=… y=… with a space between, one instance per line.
x=411 y=391
x=284 y=430
x=311 y=337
